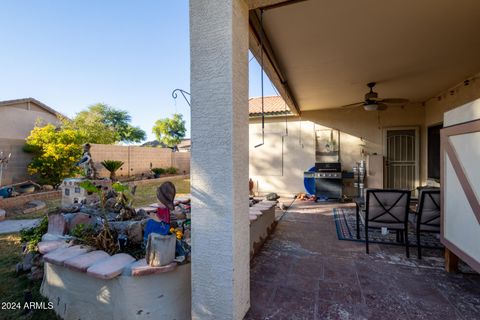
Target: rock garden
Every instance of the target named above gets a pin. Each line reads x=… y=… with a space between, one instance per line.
x=99 y=256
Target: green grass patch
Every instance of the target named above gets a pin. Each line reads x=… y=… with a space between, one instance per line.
x=147 y=194
x=13 y=287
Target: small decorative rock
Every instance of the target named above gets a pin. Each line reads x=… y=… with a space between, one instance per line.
x=133 y=229
x=73 y=208
x=80 y=218
x=30 y=260
x=36 y=274
x=47 y=187
x=47 y=237
x=57 y=224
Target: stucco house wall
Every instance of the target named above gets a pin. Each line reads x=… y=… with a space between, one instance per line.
x=447 y=100
x=359 y=130
x=284 y=174
x=278 y=165
x=17 y=119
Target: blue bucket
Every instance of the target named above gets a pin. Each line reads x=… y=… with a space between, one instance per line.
x=309 y=183
x=6 y=192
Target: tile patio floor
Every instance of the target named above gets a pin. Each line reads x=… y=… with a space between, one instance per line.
x=305 y=272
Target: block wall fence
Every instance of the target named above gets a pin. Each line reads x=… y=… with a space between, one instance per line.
x=138 y=160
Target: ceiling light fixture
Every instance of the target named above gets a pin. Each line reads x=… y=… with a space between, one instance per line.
x=371 y=106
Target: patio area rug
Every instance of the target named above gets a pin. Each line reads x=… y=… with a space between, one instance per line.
x=345 y=223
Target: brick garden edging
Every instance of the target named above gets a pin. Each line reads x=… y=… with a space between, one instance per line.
x=19 y=201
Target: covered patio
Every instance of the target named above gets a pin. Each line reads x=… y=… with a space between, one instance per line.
x=305 y=272
x=320 y=56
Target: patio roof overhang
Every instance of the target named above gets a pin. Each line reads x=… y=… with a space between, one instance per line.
x=321 y=54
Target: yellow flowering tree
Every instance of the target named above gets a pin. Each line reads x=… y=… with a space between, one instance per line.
x=55 y=151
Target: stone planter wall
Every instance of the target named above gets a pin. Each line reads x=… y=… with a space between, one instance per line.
x=78 y=295
x=262 y=224
x=90 y=285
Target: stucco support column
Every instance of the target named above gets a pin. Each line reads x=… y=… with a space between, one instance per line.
x=219 y=163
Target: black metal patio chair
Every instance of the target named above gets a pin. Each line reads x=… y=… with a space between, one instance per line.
x=427 y=217
x=387 y=208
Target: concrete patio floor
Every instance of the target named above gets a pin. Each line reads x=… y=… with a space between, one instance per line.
x=305 y=272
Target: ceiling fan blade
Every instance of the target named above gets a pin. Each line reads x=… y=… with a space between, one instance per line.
x=394 y=100
x=352 y=105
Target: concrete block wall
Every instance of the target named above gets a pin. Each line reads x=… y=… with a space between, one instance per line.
x=138 y=160
x=181 y=160
x=142 y=159
x=101 y=152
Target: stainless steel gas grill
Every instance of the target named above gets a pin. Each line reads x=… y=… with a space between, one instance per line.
x=328 y=180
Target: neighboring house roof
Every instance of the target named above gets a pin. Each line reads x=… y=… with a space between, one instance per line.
x=34 y=101
x=185 y=144
x=272 y=106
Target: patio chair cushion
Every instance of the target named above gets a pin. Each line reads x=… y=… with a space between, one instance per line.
x=430 y=207
x=423 y=227
x=387 y=208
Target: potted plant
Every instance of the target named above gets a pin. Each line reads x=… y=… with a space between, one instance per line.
x=112 y=166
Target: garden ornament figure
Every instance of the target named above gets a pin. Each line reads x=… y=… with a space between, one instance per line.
x=87 y=163
x=160 y=220
x=166 y=194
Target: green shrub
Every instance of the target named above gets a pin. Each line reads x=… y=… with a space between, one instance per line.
x=112 y=166
x=34 y=235
x=159 y=171
x=171 y=170
x=55 y=151
x=82 y=231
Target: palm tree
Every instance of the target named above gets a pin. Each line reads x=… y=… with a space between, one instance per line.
x=112 y=166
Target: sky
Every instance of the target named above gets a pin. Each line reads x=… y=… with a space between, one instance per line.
x=129 y=54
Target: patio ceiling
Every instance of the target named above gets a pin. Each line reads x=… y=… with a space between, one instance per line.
x=320 y=54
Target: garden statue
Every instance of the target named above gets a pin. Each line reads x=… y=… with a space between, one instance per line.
x=87 y=163
x=160 y=220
